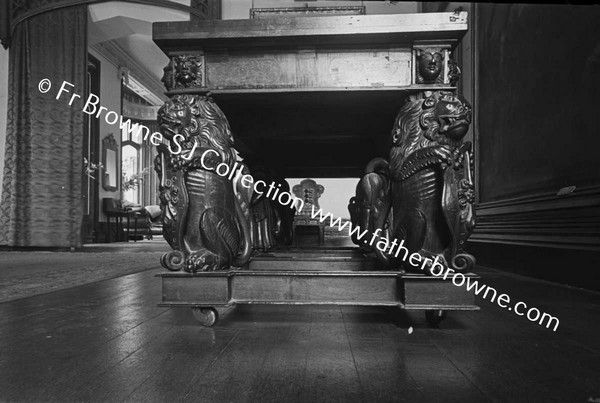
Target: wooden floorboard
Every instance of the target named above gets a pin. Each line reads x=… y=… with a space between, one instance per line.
x=177 y=372
x=330 y=373
x=108 y=341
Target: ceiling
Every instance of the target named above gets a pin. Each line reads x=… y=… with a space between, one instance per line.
x=126 y=29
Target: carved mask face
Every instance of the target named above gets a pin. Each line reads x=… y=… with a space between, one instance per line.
x=430 y=65
x=454 y=116
x=187 y=71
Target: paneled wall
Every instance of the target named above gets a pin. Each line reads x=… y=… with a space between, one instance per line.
x=540 y=68
x=537 y=119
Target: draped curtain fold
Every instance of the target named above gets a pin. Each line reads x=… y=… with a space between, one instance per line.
x=41 y=203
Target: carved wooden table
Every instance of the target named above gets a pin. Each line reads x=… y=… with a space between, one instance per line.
x=370 y=55
x=204 y=291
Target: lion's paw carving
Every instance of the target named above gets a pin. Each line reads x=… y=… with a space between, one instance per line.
x=203 y=260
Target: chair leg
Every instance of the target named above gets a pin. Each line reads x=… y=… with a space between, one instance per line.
x=135 y=229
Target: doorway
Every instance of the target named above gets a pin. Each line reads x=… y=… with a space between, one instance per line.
x=90 y=177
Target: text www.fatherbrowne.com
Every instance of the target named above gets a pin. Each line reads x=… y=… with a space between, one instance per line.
x=458 y=279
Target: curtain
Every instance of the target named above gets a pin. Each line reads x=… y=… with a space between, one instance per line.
x=41 y=203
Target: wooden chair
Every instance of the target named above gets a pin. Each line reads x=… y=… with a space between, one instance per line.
x=309 y=191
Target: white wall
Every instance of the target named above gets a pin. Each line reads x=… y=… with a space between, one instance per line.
x=336 y=196
x=3 y=107
x=110 y=97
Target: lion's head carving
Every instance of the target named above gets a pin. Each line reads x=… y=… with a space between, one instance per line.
x=201 y=123
x=429 y=119
x=176 y=117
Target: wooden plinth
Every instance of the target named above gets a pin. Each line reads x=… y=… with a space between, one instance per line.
x=383 y=288
x=318 y=276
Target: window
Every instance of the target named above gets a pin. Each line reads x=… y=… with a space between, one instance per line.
x=139 y=181
x=131 y=167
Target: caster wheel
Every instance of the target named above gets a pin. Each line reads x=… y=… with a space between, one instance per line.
x=206 y=316
x=434 y=317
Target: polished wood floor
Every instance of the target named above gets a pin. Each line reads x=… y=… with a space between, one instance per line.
x=108 y=341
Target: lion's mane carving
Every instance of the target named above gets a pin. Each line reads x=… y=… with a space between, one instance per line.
x=428 y=126
x=202 y=217
x=432 y=189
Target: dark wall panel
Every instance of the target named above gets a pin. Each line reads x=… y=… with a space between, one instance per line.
x=539 y=98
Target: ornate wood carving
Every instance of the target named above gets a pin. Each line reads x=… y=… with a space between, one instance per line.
x=429 y=204
x=432 y=190
x=203 y=220
x=427 y=175
x=263 y=220
x=370 y=207
x=184 y=72
x=320 y=52
x=430 y=64
x=434 y=65
x=270 y=221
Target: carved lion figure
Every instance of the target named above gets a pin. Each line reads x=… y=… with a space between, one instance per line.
x=202 y=217
x=369 y=208
x=431 y=182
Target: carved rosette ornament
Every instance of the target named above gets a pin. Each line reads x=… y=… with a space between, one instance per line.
x=184 y=72
x=203 y=219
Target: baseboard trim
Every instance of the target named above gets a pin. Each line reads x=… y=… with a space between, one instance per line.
x=572 y=267
x=571 y=221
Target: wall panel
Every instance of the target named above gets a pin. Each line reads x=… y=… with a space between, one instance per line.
x=538 y=113
x=538 y=105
